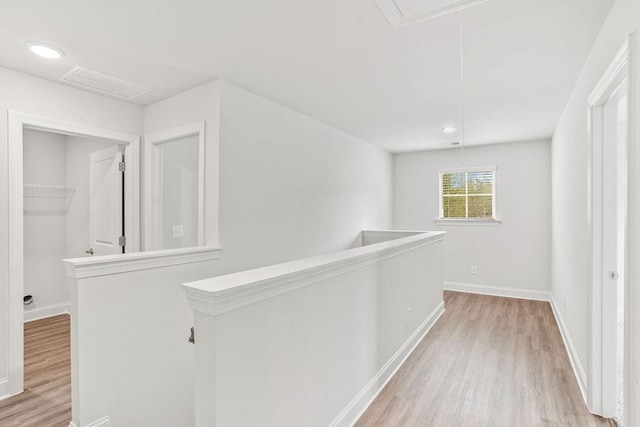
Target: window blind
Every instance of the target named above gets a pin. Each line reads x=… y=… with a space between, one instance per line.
x=467 y=194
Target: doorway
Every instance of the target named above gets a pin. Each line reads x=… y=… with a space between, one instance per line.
x=609 y=139
x=72 y=205
x=21 y=125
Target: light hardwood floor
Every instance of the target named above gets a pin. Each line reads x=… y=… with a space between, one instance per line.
x=488 y=361
x=46 y=401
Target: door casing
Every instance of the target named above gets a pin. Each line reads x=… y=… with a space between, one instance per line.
x=16 y=123
x=153 y=180
x=614 y=76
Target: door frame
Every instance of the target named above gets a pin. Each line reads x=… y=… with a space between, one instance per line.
x=17 y=122
x=153 y=179
x=617 y=72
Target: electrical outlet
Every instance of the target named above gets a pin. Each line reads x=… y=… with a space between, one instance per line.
x=408 y=315
x=474 y=269
x=178 y=231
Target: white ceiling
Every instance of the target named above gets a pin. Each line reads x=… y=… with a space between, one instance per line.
x=338 y=61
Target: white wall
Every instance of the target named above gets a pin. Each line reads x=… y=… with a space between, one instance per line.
x=313 y=190
x=292 y=187
x=570 y=248
x=31 y=95
x=195 y=105
x=316 y=352
x=289 y=186
x=44 y=223
x=77 y=176
x=514 y=254
x=133 y=360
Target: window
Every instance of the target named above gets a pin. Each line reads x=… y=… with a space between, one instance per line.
x=468 y=193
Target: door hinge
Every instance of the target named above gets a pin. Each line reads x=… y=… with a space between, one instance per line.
x=192 y=337
x=122 y=166
x=122 y=240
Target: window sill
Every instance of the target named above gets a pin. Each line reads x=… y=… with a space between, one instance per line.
x=464 y=221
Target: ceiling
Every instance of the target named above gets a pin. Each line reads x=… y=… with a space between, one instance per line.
x=338 y=61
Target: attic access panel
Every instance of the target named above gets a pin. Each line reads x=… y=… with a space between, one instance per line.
x=405 y=12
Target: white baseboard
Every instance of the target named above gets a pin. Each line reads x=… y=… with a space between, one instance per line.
x=102 y=422
x=4 y=390
x=578 y=371
x=497 y=291
x=361 y=402
x=46 y=311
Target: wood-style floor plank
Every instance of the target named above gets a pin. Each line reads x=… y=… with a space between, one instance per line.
x=46 y=400
x=488 y=361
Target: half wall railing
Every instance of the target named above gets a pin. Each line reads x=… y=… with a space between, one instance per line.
x=311 y=342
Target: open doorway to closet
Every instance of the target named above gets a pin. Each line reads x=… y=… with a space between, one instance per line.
x=73 y=192
x=73 y=207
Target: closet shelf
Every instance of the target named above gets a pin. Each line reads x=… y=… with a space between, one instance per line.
x=48 y=191
x=42 y=197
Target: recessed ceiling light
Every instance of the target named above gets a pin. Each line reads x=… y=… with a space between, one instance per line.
x=45 y=50
x=450 y=129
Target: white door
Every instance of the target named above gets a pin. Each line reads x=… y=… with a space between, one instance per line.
x=613 y=247
x=105 y=201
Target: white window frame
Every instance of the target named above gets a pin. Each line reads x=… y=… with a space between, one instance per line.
x=468 y=221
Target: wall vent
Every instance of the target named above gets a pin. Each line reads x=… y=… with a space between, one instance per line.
x=101 y=83
x=406 y=12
